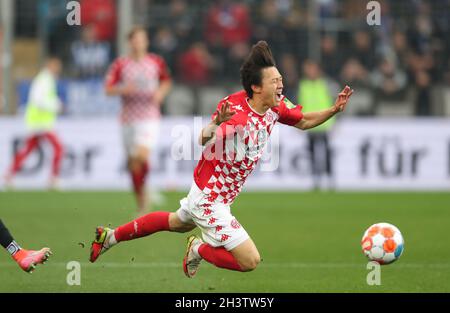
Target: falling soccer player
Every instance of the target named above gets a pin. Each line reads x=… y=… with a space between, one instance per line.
x=26 y=259
x=234 y=141
x=142 y=80
x=42 y=109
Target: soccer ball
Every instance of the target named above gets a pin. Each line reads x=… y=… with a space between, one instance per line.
x=383 y=243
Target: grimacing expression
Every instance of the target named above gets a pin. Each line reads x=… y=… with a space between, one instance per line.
x=271 y=87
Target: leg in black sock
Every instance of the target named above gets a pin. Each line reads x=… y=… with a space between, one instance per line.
x=7 y=241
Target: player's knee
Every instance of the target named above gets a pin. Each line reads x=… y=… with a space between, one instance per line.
x=183 y=228
x=142 y=158
x=250 y=263
x=133 y=163
x=142 y=154
x=176 y=225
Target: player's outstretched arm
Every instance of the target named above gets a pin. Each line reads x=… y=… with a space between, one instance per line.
x=209 y=131
x=313 y=119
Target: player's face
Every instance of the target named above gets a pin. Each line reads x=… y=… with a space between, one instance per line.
x=55 y=66
x=139 y=42
x=272 y=86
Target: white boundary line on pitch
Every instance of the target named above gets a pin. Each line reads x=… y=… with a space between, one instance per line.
x=262 y=264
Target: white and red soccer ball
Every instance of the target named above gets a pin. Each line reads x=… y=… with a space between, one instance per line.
x=382 y=243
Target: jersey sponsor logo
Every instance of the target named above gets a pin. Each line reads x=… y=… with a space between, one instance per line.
x=262 y=136
x=256 y=144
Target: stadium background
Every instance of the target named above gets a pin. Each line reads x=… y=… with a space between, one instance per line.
x=404 y=126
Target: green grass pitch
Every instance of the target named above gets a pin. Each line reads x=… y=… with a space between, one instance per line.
x=309 y=242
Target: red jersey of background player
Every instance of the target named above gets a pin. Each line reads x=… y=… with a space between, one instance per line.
x=224 y=167
x=145 y=75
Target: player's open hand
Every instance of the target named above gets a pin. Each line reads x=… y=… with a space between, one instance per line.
x=342 y=99
x=224 y=114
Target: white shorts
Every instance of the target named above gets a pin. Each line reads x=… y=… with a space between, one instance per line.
x=140 y=134
x=219 y=227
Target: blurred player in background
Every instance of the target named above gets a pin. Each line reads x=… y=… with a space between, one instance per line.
x=243 y=121
x=26 y=259
x=142 y=80
x=42 y=109
x=314 y=95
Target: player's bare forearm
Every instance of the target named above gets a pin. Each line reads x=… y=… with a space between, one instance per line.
x=208 y=132
x=163 y=90
x=313 y=119
x=165 y=87
x=222 y=115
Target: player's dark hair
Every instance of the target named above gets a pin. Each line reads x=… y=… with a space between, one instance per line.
x=135 y=30
x=260 y=57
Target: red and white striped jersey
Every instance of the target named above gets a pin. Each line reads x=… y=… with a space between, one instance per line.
x=239 y=143
x=146 y=75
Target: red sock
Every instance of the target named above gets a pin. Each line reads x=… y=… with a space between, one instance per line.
x=145 y=170
x=31 y=144
x=58 y=152
x=220 y=257
x=136 y=178
x=139 y=177
x=143 y=226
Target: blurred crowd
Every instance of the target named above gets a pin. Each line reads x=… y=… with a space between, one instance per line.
x=205 y=42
